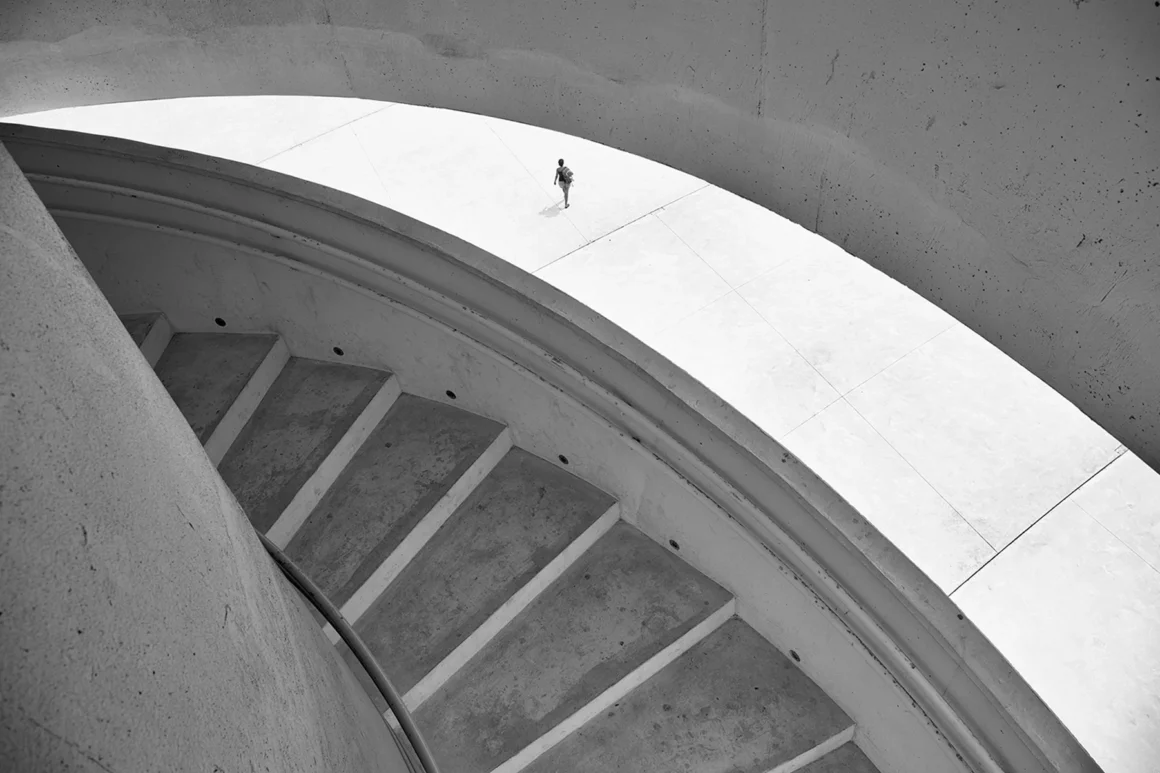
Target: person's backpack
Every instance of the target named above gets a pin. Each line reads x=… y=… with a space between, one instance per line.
x=566 y=175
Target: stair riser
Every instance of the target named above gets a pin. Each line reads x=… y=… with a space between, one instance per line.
x=246 y=403
x=549 y=424
x=618 y=691
x=503 y=616
x=418 y=538
x=562 y=575
x=332 y=466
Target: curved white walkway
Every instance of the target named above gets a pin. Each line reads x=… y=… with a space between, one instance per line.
x=1035 y=520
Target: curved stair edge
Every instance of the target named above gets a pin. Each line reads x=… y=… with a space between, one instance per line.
x=959 y=680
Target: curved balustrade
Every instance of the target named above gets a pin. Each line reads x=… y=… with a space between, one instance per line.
x=394 y=701
x=964 y=690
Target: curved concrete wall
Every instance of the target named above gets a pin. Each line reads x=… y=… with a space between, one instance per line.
x=201 y=237
x=995 y=157
x=142 y=625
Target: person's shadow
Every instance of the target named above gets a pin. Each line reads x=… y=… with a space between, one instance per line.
x=553 y=210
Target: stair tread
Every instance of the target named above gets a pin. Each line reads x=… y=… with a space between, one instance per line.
x=139 y=325
x=515 y=522
x=847 y=758
x=732 y=704
x=205 y=372
x=408 y=463
x=308 y=409
x=624 y=601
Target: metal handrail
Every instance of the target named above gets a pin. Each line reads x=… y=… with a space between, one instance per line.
x=394 y=701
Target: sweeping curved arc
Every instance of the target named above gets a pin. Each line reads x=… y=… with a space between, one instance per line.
x=966 y=688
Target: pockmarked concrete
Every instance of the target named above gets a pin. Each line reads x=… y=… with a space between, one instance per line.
x=205 y=372
x=999 y=159
x=415 y=455
x=143 y=625
x=731 y=698
x=943 y=441
x=511 y=526
x=624 y=601
x=306 y=412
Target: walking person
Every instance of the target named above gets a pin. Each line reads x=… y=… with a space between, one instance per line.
x=563 y=178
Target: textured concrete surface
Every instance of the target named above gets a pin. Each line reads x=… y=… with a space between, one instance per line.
x=1075 y=609
x=408 y=158
x=994 y=157
x=847 y=758
x=143 y=626
x=308 y=409
x=608 y=276
x=784 y=325
x=846 y=341
x=1125 y=499
x=731 y=349
x=413 y=457
x=1022 y=453
x=884 y=486
x=139 y=325
x=205 y=372
x=732 y=704
x=624 y=601
x=514 y=523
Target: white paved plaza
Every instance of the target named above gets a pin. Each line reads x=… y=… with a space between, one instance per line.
x=1037 y=522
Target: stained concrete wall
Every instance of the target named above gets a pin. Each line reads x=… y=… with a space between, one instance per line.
x=1000 y=158
x=142 y=625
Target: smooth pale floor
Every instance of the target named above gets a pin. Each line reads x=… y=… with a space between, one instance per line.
x=1034 y=519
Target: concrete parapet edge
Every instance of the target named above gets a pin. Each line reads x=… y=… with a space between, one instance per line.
x=987 y=712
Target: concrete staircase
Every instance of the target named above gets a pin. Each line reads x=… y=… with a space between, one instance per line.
x=529 y=627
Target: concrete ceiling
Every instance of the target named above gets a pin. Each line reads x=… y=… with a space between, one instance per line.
x=1000 y=158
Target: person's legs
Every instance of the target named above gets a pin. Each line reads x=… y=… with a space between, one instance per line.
x=566 y=189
